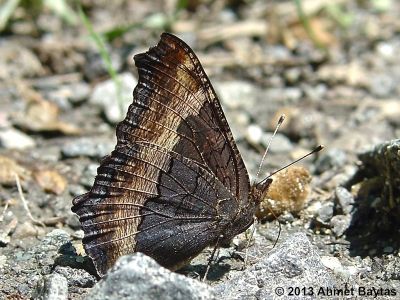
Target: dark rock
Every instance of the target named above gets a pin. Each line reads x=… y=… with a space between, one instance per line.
x=140 y=277
x=295 y=262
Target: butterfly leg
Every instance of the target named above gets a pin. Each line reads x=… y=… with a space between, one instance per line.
x=211 y=258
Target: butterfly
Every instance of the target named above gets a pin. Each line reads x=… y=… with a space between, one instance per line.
x=175 y=182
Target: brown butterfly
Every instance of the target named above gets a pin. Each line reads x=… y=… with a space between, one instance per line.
x=176 y=182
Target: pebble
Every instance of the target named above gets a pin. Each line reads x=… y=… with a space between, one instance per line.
x=76 y=190
x=11 y=138
x=16 y=61
x=76 y=277
x=138 y=276
x=93 y=148
x=315 y=93
x=340 y=223
x=334 y=264
x=3 y=261
x=254 y=134
x=105 y=95
x=79 y=92
x=24 y=230
x=88 y=175
x=345 y=199
x=333 y=158
x=386 y=50
x=95 y=66
x=237 y=94
x=293 y=94
x=325 y=213
x=388 y=249
x=382 y=85
x=52 y=287
x=280 y=143
x=69 y=94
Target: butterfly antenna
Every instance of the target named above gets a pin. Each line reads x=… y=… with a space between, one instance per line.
x=317 y=149
x=280 y=121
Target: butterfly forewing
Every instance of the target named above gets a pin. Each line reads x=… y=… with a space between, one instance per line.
x=163 y=190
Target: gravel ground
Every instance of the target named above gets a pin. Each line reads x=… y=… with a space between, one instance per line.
x=338 y=85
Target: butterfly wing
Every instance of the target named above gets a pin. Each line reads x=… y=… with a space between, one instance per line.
x=163 y=190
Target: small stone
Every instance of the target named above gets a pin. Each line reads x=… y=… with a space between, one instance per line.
x=79 y=92
x=388 y=249
x=93 y=148
x=280 y=143
x=254 y=134
x=3 y=261
x=382 y=85
x=386 y=50
x=315 y=93
x=17 y=61
x=11 y=138
x=340 y=223
x=50 y=181
x=52 y=287
x=293 y=94
x=76 y=277
x=89 y=173
x=333 y=158
x=236 y=94
x=332 y=263
x=292 y=75
x=325 y=213
x=24 y=230
x=76 y=190
x=106 y=96
x=286 y=217
x=138 y=276
x=345 y=199
x=10 y=168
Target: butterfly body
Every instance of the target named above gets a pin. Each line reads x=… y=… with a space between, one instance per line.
x=175 y=182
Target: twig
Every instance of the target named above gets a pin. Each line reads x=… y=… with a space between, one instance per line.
x=4 y=211
x=25 y=204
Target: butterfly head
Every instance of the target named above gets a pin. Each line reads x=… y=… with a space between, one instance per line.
x=258 y=190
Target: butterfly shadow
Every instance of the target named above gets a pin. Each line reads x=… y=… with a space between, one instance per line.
x=69 y=258
x=216 y=272
x=374 y=225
